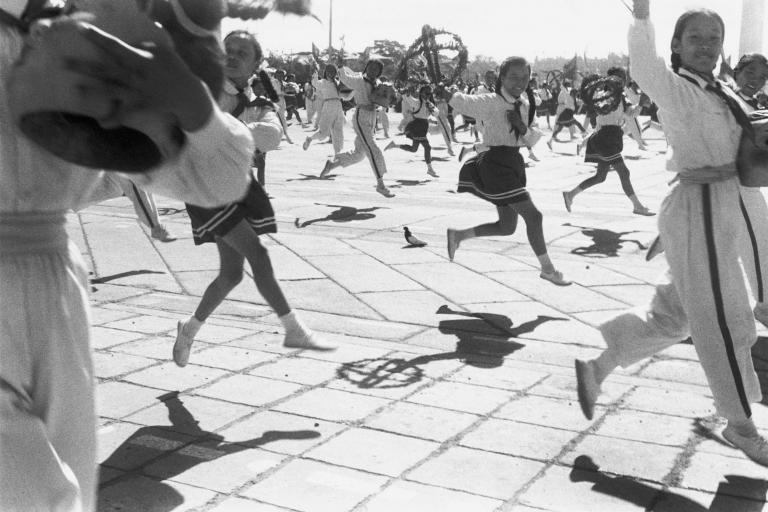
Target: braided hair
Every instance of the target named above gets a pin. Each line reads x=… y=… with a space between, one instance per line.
x=680 y=25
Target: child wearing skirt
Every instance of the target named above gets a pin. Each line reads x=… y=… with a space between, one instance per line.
x=566 y=104
x=235 y=228
x=604 y=148
x=417 y=129
x=498 y=174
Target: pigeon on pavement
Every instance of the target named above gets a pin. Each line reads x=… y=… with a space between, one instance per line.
x=412 y=240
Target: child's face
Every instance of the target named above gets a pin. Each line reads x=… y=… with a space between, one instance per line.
x=241 y=57
x=330 y=73
x=700 y=44
x=515 y=80
x=373 y=71
x=258 y=88
x=752 y=77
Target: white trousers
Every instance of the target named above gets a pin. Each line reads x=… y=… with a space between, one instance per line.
x=47 y=412
x=331 y=123
x=364 y=122
x=705 y=232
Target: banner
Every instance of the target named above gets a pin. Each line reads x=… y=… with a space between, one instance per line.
x=569 y=69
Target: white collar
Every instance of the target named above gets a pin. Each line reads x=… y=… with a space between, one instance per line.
x=699 y=79
x=523 y=98
x=14 y=7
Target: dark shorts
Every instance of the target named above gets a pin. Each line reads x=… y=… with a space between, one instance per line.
x=605 y=145
x=496 y=175
x=255 y=208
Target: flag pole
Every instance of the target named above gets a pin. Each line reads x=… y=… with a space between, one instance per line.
x=330 y=28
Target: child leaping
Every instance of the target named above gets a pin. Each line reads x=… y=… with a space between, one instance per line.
x=498 y=175
x=235 y=228
x=364 y=122
x=418 y=128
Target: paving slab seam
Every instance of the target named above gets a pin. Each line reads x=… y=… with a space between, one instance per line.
x=569 y=447
x=449 y=443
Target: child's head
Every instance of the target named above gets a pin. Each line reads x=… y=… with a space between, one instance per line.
x=751 y=73
x=514 y=75
x=697 y=40
x=425 y=91
x=330 y=72
x=243 y=54
x=618 y=72
x=373 y=69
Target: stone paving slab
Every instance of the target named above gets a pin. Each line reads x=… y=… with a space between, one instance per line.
x=453 y=386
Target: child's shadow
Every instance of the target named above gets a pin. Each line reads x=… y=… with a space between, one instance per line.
x=484 y=338
x=605 y=242
x=342 y=214
x=483 y=342
x=727 y=499
x=175 y=449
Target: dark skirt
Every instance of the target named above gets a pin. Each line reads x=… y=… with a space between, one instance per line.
x=255 y=208
x=566 y=118
x=605 y=145
x=496 y=175
x=417 y=129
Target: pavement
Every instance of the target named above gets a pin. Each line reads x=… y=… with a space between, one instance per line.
x=453 y=387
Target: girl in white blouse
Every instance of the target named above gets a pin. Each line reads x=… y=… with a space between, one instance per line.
x=702 y=224
x=498 y=174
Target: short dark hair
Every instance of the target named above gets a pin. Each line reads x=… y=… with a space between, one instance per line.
x=748 y=59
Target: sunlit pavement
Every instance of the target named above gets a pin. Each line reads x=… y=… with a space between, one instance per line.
x=453 y=388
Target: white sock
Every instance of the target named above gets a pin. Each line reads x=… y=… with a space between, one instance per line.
x=191 y=326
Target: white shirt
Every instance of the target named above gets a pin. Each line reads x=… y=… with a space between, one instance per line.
x=700 y=128
x=565 y=99
x=33 y=180
x=416 y=108
x=358 y=84
x=491 y=109
x=262 y=122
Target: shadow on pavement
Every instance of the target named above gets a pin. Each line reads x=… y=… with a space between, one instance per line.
x=342 y=214
x=175 y=449
x=484 y=341
x=736 y=494
x=605 y=242
x=105 y=279
x=313 y=177
x=412 y=183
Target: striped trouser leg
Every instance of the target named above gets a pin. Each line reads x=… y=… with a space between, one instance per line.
x=365 y=146
x=755 y=246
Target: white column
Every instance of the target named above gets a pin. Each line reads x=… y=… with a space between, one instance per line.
x=753 y=36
